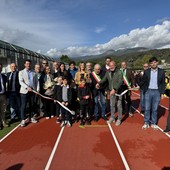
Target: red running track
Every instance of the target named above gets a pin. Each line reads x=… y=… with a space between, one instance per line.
x=88 y=148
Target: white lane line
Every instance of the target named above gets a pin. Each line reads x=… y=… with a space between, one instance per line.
x=159 y=104
x=119 y=148
x=54 y=149
x=157 y=125
x=9 y=133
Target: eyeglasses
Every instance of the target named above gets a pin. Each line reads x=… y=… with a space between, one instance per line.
x=44 y=63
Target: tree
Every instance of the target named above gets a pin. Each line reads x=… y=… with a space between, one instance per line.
x=65 y=59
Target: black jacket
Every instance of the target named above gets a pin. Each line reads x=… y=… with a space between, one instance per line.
x=82 y=92
x=57 y=95
x=94 y=82
x=17 y=85
x=160 y=80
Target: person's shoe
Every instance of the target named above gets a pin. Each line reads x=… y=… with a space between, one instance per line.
x=111 y=120
x=155 y=127
x=95 y=119
x=130 y=114
x=47 y=117
x=166 y=130
x=4 y=124
x=68 y=124
x=87 y=122
x=145 y=126
x=105 y=118
x=118 y=122
x=33 y=120
x=81 y=123
x=62 y=124
x=58 y=120
x=23 y=123
x=52 y=116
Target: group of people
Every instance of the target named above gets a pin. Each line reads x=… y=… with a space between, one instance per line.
x=88 y=92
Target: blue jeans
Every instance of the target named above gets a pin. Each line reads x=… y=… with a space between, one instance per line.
x=14 y=102
x=29 y=97
x=113 y=100
x=142 y=101
x=152 y=99
x=99 y=99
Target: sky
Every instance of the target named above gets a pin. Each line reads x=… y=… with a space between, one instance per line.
x=85 y=27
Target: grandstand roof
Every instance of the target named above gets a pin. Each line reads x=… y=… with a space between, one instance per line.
x=18 y=49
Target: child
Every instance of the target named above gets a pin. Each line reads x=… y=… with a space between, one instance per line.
x=66 y=96
x=57 y=96
x=83 y=97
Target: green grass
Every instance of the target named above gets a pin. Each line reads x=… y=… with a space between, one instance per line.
x=6 y=130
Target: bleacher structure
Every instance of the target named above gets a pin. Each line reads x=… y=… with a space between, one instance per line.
x=10 y=53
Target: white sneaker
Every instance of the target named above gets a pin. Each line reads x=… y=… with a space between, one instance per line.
x=52 y=116
x=33 y=120
x=145 y=126
x=47 y=117
x=111 y=120
x=118 y=122
x=68 y=124
x=130 y=114
x=22 y=123
x=62 y=124
x=155 y=127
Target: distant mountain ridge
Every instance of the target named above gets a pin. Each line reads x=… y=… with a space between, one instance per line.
x=129 y=53
x=119 y=52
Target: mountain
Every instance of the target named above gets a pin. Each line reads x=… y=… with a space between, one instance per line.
x=120 y=52
x=129 y=53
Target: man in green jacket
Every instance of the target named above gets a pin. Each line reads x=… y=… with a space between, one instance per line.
x=114 y=78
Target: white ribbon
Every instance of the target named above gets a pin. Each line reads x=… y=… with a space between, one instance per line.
x=49 y=98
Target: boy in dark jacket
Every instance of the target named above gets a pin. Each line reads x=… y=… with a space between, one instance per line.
x=65 y=98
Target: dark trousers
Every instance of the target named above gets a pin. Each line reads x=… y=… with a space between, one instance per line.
x=127 y=97
x=58 y=108
x=48 y=107
x=15 y=104
x=83 y=111
x=66 y=116
x=28 y=97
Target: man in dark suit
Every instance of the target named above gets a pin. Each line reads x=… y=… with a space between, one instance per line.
x=13 y=88
x=3 y=101
x=128 y=82
x=106 y=68
x=153 y=83
x=98 y=94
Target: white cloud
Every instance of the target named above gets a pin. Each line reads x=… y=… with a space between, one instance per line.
x=157 y=36
x=162 y=20
x=38 y=25
x=48 y=26
x=99 y=30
